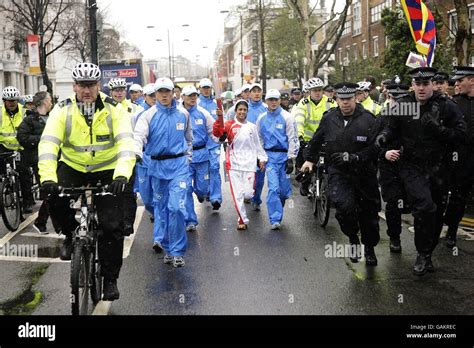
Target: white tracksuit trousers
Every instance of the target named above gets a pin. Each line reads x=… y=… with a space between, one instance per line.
x=242 y=187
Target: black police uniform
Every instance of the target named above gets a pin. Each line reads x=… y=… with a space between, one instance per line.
x=462 y=176
x=353 y=186
x=422 y=166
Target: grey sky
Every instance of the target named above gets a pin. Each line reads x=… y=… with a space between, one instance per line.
x=204 y=17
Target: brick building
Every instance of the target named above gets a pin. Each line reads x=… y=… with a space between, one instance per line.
x=364 y=35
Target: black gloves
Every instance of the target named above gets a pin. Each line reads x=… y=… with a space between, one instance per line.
x=139 y=159
x=341 y=158
x=381 y=141
x=290 y=167
x=223 y=138
x=431 y=121
x=118 y=185
x=50 y=187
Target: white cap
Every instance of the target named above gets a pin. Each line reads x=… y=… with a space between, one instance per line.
x=245 y=87
x=273 y=94
x=205 y=83
x=189 y=90
x=238 y=92
x=164 y=83
x=253 y=85
x=136 y=88
x=149 y=89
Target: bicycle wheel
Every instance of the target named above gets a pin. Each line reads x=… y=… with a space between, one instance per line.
x=96 y=276
x=323 y=201
x=10 y=204
x=80 y=273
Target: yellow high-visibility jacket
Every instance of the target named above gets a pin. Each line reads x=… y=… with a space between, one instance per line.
x=371 y=106
x=107 y=144
x=8 y=127
x=308 y=115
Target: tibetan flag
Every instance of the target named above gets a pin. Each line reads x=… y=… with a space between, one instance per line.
x=422 y=27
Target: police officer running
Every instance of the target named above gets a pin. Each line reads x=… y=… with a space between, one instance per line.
x=428 y=123
x=347 y=131
x=95 y=138
x=463 y=165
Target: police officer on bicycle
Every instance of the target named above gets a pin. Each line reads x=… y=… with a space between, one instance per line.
x=348 y=133
x=94 y=135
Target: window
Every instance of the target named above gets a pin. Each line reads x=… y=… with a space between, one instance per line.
x=471 y=17
x=347 y=28
x=340 y=55
x=356 y=52
x=364 y=49
x=357 y=19
x=376 y=46
x=376 y=11
x=453 y=23
x=348 y=53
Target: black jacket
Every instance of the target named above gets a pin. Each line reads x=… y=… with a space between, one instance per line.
x=29 y=135
x=355 y=138
x=466 y=104
x=420 y=145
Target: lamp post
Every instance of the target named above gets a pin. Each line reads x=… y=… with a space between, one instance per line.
x=92 y=6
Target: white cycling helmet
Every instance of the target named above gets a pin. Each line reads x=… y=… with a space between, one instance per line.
x=364 y=86
x=28 y=98
x=305 y=87
x=315 y=82
x=86 y=72
x=117 y=83
x=10 y=93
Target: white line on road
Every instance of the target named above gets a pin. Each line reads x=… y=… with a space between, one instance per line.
x=129 y=240
x=102 y=308
x=52 y=235
x=24 y=225
x=32 y=259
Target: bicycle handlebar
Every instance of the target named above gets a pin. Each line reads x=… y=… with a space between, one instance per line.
x=99 y=190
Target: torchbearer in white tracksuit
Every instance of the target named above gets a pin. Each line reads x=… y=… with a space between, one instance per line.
x=242 y=154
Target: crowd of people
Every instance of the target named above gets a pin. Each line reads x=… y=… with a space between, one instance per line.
x=165 y=144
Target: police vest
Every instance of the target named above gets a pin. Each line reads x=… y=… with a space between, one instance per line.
x=9 y=126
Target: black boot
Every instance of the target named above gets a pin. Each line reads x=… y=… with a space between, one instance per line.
x=111 y=291
x=395 y=246
x=451 y=238
x=422 y=264
x=355 y=248
x=66 y=249
x=370 y=257
x=429 y=265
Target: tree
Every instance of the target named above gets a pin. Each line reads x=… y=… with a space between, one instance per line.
x=462 y=33
x=334 y=27
x=356 y=71
x=286 y=48
x=263 y=13
x=45 y=18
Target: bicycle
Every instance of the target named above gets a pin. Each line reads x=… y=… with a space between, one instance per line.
x=10 y=192
x=86 y=274
x=319 y=192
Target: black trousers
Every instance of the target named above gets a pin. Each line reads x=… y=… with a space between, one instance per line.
x=393 y=193
x=357 y=205
x=109 y=211
x=427 y=193
x=460 y=186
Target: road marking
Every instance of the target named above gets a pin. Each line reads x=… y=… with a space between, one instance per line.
x=129 y=240
x=52 y=235
x=24 y=225
x=32 y=259
x=102 y=308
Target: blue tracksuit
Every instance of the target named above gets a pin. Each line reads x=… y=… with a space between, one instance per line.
x=143 y=180
x=168 y=136
x=141 y=101
x=279 y=139
x=202 y=123
x=215 y=191
x=257 y=109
